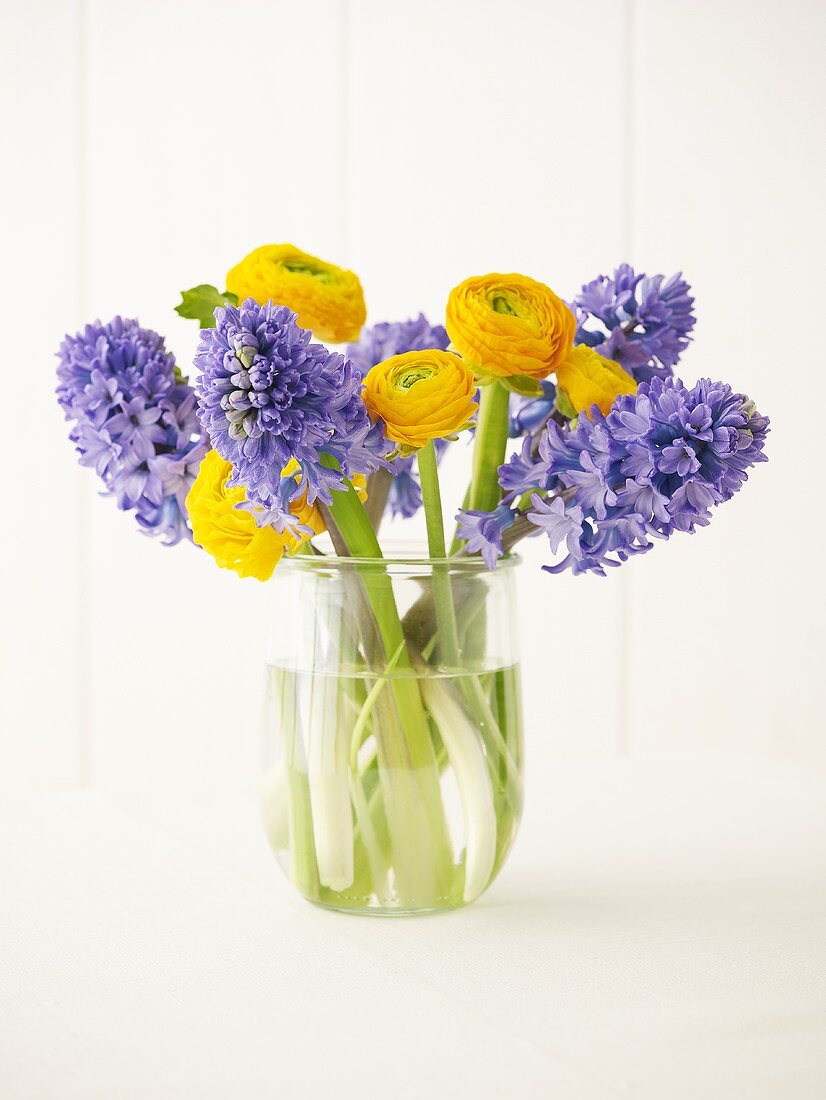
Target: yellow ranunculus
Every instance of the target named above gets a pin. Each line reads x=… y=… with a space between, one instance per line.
x=589 y=379
x=420 y=395
x=506 y=325
x=328 y=299
x=230 y=534
x=227 y=533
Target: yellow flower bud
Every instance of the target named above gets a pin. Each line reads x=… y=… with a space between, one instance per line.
x=226 y=532
x=589 y=379
x=420 y=395
x=328 y=299
x=506 y=325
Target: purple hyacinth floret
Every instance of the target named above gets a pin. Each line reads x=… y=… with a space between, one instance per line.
x=376 y=344
x=657 y=463
x=405 y=496
x=134 y=421
x=523 y=472
x=482 y=532
x=526 y=414
x=267 y=394
x=642 y=322
x=389 y=338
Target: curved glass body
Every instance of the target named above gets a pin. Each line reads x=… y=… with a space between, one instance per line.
x=392 y=732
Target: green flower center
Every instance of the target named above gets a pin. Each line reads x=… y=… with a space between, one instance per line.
x=301 y=267
x=407 y=377
x=501 y=304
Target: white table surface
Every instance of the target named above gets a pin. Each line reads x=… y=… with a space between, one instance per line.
x=660 y=931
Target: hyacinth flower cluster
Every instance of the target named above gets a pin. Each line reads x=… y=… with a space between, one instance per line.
x=269 y=396
x=641 y=322
x=133 y=421
x=656 y=464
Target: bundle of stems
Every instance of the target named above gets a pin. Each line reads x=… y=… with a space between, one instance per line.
x=368 y=757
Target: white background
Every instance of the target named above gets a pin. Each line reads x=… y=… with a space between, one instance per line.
x=149 y=146
x=659 y=929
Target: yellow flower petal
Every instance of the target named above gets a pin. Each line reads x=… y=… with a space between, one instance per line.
x=226 y=532
x=589 y=379
x=420 y=395
x=230 y=534
x=506 y=325
x=328 y=299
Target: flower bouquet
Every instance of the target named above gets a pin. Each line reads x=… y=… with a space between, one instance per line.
x=392 y=778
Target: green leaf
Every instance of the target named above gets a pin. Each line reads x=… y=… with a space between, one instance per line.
x=564 y=406
x=200 y=303
x=525 y=387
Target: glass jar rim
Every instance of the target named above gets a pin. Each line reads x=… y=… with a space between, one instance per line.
x=398 y=554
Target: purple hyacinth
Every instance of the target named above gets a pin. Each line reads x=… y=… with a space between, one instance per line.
x=390 y=338
x=374 y=346
x=405 y=496
x=134 y=421
x=482 y=532
x=658 y=463
x=267 y=395
x=526 y=414
x=560 y=523
x=642 y=322
x=523 y=472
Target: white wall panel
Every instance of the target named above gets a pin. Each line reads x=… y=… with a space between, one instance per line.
x=728 y=642
x=470 y=125
x=211 y=130
x=149 y=146
x=41 y=628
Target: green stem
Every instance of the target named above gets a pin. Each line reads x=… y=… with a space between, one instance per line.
x=378 y=490
x=489 y=447
x=327 y=776
x=351 y=519
x=442 y=590
x=361 y=804
x=358 y=735
x=432 y=500
x=302 y=844
x=456 y=542
x=460 y=736
x=447 y=627
x=407 y=760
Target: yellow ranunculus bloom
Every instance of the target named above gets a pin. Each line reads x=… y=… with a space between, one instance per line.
x=589 y=379
x=230 y=534
x=506 y=325
x=420 y=395
x=328 y=299
x=227 y=533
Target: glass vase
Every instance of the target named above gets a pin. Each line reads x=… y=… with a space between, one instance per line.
x=392 y=776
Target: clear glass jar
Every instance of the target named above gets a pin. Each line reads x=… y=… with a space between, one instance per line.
x=392 y=736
